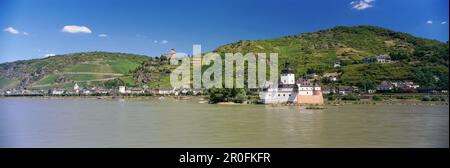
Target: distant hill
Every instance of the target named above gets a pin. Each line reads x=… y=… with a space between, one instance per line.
x=87 y=68
x=423 y=61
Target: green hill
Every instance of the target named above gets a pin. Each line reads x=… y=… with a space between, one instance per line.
x=88 y=68
x=421 y=60
x=417 y=59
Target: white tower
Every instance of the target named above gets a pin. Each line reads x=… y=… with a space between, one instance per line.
x=287 y=75
x=76 y=88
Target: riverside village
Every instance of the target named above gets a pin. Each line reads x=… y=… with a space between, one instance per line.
x=310 y=88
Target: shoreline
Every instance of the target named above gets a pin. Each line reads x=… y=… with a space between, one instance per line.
x=203 y=100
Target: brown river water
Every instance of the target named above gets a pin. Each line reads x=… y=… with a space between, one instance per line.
x=77 y=122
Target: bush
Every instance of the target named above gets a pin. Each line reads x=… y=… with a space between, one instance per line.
x=240 y=98
x=331 y=98
x=377 y=98
x=426 y=98
x=237 y=95
x=403 y=97
x=435 y=99
x=351 y=98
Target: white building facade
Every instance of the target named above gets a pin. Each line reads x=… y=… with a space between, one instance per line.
x=286 y=92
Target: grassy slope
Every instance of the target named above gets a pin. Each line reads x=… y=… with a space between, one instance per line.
x=8 y=83
x=121 y=66
x=56 y=70
x=317 y=51
x=48 y=79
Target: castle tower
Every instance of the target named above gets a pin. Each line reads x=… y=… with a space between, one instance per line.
x=287 y=75
x=76 y=88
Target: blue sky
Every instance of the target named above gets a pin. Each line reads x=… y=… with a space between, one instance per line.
x=35 y=28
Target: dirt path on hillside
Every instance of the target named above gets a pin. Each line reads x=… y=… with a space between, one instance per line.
x=90 y=73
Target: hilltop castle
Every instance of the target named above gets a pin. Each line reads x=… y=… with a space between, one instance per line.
x=289 y=90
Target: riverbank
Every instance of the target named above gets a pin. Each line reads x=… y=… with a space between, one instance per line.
x=371 y=102
x=108 y=97
x=204 y=100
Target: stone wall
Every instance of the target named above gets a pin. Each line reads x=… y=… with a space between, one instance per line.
x=314 y=99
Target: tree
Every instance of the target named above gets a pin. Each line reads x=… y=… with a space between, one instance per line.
x=114 y=83
x=366 y=84
x=443 y=81
x=237 y=95
x=425 y=78
x=215 y=95
x=241 y=96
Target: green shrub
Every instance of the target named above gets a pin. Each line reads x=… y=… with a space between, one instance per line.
x=435 y=99
x=377 y=98
x=426 y=98
x=403 y=97
x=240 y=98
x=351 y=98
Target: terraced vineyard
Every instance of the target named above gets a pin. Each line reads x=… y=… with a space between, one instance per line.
x=416 y=59
x=91 y=68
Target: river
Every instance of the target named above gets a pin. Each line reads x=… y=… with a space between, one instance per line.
x=77 y=122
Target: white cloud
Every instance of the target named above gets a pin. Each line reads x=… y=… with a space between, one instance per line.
x=429 y=22
x=11 y=30
x=25 y=33
x=49 y=55
x=362 y=4
x=444 y=22
x=160 y=42
x=76 y=29
x=103 y=35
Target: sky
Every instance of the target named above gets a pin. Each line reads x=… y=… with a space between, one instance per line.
x=40 y=28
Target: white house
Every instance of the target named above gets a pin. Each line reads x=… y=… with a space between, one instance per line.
x=87 y=92
x=337 y=64
x=125 y=90
x=307 y=88
x=135 y=91
x=384 y=58
x=122 y=89
x=57 y=91
x=165 y=91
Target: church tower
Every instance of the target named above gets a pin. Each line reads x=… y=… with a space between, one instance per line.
x=287 y=75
